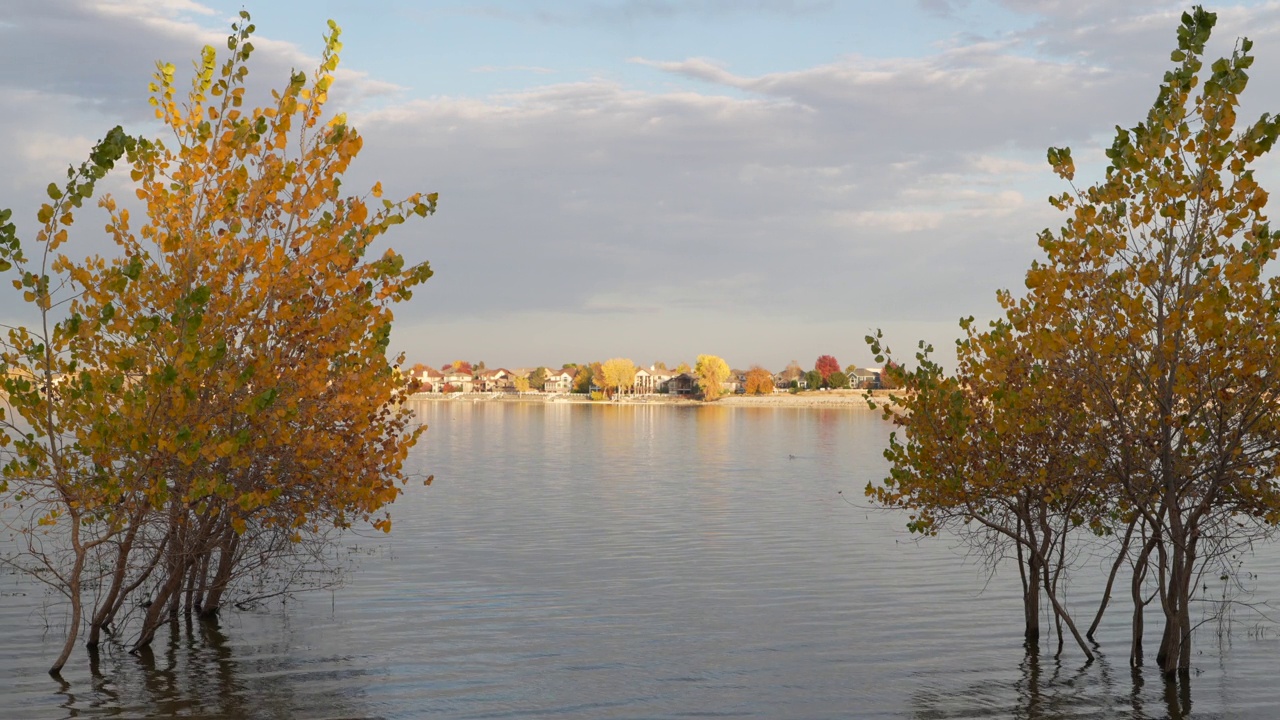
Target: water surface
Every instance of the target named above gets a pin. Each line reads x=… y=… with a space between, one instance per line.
x=598 y=561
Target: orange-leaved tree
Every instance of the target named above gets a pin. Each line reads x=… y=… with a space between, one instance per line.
x=759 y=381
x=222 y=384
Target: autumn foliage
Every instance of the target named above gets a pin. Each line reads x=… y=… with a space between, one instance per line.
x=825 y=365
x=711 y=371
x=759 y=381
x=619 y=374
x=1132 y=390
x=219 y=390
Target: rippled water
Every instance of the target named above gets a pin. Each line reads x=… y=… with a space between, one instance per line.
x=580 y=561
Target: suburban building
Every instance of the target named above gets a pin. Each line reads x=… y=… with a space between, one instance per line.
x=559 y=381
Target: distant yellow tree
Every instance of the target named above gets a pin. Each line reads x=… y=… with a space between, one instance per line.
x=619 y=375
x=521 y=383
x=712 y=371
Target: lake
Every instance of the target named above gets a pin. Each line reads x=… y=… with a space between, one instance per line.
x=604 y=561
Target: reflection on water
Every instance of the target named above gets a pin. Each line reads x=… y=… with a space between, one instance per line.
x=1045 y=688
x=623 y=561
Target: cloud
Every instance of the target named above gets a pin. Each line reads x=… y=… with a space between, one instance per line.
x=512 y=68
x=633 y=11
x=606 y=217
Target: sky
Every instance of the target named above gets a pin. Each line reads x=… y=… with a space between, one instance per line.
x=764 y=180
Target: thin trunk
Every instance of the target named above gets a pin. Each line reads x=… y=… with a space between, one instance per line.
x=1175 y=647
x=1140 y=567
x=202 y=578
x=1064 y=617
x=168 y=593
x=226 y=563
x=1031 y=600
x=1121 y=556
x=156 y=611
x=1050 y=588
x=104 y=612
x=193 y=569
x=73 y=591
x=1029 y=570
x=137 y=583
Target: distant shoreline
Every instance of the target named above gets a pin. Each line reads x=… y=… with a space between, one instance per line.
x=852 y=399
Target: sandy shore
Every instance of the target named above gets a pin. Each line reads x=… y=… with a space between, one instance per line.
x=853 y=399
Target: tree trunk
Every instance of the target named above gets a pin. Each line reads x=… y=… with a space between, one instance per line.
x=226 y=562
x=104 y=612
x=1031 y=600
x=73 y=591
x=1111 y=579
x=156 y=611
x=1140 y=567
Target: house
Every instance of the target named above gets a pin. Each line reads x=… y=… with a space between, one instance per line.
x=456 y=381
x=683 y=384
x=792 y=375
x=651 y=380
x=865 y=377
x=559 y=381
x=431 y=380
x=496 y=380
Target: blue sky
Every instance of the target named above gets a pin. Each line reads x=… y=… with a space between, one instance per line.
x=765 y=180
x=478 y=48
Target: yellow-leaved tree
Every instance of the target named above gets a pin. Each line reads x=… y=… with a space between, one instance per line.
x=1134 y=387
x=712 y=371
x=619 y=375
x=218 y=395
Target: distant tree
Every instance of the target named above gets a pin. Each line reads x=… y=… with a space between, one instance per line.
x=538 y=379
x=889 y=375
x=712 y=371
x=683 y=368
x=838 y=379
x=582 y=379
x=521 y=384
x=619 y=374
x=458 y=366
x=759 y=381
x=792 y=373
x=597 y=374
x=477 y=367
x=825 y=365
x=659 y=365
x=814 y=379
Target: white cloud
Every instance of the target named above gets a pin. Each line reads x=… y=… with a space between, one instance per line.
x=822 y=200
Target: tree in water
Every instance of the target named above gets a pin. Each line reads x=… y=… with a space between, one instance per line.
x=1155 y=314
x=218 y=396
x=1161 y=289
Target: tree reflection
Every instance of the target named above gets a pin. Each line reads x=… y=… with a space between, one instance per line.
x=198 y=673
x=1047 y=689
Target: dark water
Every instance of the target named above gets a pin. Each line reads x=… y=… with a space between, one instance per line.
x=640 y=562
